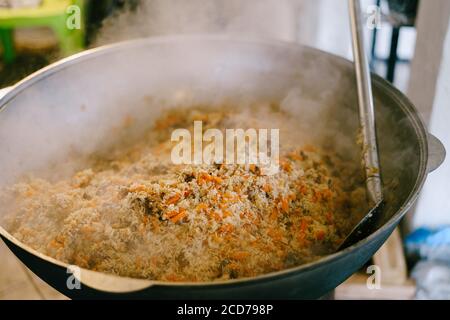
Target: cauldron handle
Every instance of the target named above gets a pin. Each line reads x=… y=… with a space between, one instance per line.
x=436 y=153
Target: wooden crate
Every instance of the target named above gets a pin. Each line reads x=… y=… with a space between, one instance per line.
x=394 y=283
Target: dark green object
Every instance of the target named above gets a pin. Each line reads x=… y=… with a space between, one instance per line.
x=51 y=13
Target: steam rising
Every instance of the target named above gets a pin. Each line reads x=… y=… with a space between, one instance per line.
x=52 y=134
x=268 y=18
x=277 y=19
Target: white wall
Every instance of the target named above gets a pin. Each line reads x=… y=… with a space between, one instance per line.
x=334 y=30
x=429 y=90
x=318 y=23
x=432 y=26
x=433 y=208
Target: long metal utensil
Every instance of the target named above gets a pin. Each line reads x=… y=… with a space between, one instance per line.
x=368 y=132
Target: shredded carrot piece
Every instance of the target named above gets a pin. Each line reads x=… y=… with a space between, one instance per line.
x=181 y=214
x=223 y=206
x=284 y=205
x=233 y=266
x=239 y=255
x=329 y=217
x=286 y=166
x=303 y=189
x=216 y=238
x=326 y=194
x=226 y=228
x=248 y=226
x=56 y=244
x=217 y=216
x=316 y=196
x=174 y=199
x=301 y=238
x=173 y=277
x=138 y=262
x=217 y=180
x=171 y=214
x=201 y=206
x=274 y=214
x=303 y=225
x=214 y=215
x=204 y=177
x=230 y=197
x=227 y=213
x=267 y=188
x=320 y=235
x=275 y=234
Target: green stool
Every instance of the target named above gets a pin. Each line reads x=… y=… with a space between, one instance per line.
x=52 y=14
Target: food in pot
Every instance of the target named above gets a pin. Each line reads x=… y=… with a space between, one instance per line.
x=134 y=213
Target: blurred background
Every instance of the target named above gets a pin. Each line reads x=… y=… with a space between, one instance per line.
x=408 y=42
x=32 y=28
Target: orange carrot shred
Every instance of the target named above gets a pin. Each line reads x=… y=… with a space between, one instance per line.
x=174 y=199
x=181 y=214
x=239 y=255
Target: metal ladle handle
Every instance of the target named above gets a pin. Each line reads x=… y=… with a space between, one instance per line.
x=366 y=106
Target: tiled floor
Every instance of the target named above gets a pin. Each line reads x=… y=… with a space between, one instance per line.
x=18 y=282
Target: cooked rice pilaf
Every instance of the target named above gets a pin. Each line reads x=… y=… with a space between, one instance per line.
x=136 y=214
